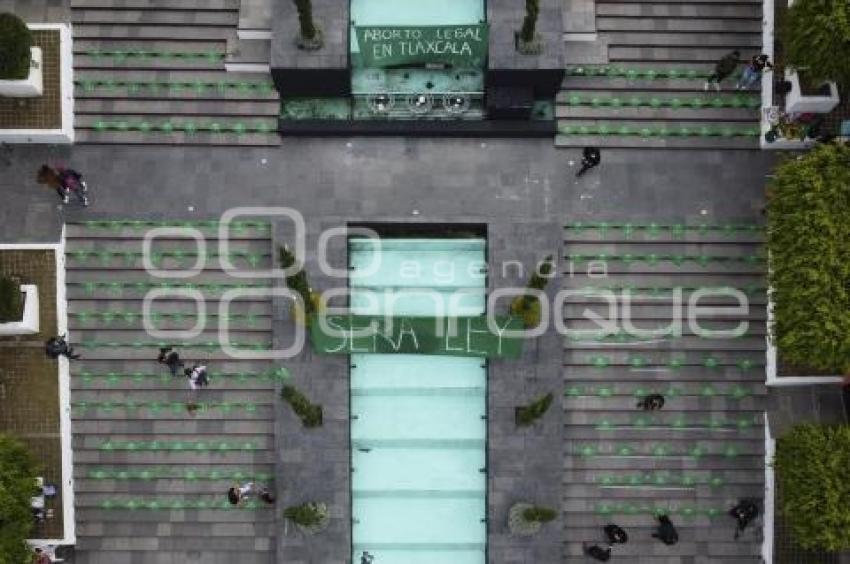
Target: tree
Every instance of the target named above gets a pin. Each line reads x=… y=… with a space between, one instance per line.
x=529 y=23
x=528 y=306
x=811 y=468
x=809 y=243
x=10 y=300
x=311 y=37
x=815 y=36
x=15 y=45
x=17 y=486
x=297 y=282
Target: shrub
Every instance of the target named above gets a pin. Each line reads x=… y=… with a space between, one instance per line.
x=310 y=414
x=10 y=300
x=528 y=307
x=15 y=44
x=815 y=35
x=17 y=486
x=298 y=281
x=539 y=514
x=305 y=19
x=529 y=23
x=811 y=467
x=528 y=414
x=809 y=244
x=310 y=517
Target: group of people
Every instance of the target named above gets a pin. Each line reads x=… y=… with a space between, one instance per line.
x=197 y=375
x=744 y=513
x=66 y=182
x=729 y=63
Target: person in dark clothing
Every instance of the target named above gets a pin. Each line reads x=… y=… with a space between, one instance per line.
x=744 y=513
x=652 y=402
x=616 y=534
x=591 y=157
x=65 y=181
x=752 y=72
x=366 y=558
x=598 y=553
x=169 y=357
x=666 y=531
x=723 y=69
x=58 y=346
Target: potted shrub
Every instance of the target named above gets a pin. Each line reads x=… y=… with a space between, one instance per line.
x=17 y=486
x=808 y=240
x=298 y=283
x=309 y=413
x=528 y=40
x=20 y=62
x=18 y=308
x=310 y=518
x=309 y=36
x=526 y=415
x=526 y=519
x=528 y=307
x=811 y=469
x=815 y=36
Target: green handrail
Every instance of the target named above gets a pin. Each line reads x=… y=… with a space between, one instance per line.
x=166 y=504
x=170 y=473
x=693 y=102
x=659 y=478
x=658 y=130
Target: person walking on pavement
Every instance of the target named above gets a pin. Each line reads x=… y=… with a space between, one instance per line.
x=723 y=69
x=65 y=181
x=169 y=357
x=591 y=158
x=58 y=346
x=752 y=72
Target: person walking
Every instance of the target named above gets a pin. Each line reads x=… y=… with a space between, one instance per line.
x=744 y=513
x=753 y=71
x=652 y=402
x=591 y=157
x=40 y=557
x=366 y=558
x=198 y=379
x=615 y=534
x=723 y=69
x=238 y=493
x=597 y=552
x=65 y=181
x=169 y=357
x=58 y=346
x=666 y=531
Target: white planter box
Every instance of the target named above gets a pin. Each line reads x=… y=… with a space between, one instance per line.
x=797 y=103
x=29 y=324
x=30 y=87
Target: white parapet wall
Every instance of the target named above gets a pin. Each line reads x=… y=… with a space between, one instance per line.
x=64 y=134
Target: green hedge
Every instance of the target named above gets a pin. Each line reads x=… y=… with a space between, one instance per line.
x=17 y=486
x=10 y=300
x=309 y=413
x=809 y=243
x=15 y=44
x=527 y=414
x=815 y=35
x=811 y=468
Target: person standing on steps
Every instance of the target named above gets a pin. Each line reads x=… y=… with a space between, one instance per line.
x=744 y=513
x=247 y=490
x=597 y=552
x=65 y=181
x=652 y=402
x=58 y=346
x=723 y=69
x=198 y=379
x=752 y=72
x=666 y=531
x=169 y=357
x=591 y=157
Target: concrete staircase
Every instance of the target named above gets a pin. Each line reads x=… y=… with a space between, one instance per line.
x=150 y=477
x=153 y=72
x=704 y=450
x=640 y=83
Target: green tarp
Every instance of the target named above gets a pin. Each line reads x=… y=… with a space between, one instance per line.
x=390 y=46
x=417 y=335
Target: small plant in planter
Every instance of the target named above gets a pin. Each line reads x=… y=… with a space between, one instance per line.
x=528 y=40
x=15 y=48
x=310 y=518
x=528 y=307
x=298 y=283
x=526 y=519
x=526 y=415
x=310 y=36
x=309 y=413
x=11 y=304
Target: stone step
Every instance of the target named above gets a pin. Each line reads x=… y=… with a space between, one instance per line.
x=588 y=339
x=625 y=413
x=676 y=476
x=196 y=5
x=127 y=337
x=752 y=265
x=639 y=312
x=110 y=529
x=249 y=51
x=637 y=389
x=686 y=2
x=714 y=116
x=164 y=428
x=147 y=366
x=184 y=110
x=663 y=238
x=643 y=283
x=176 y=412
x=210 y=395
x=710 y=25
x=85 y=456
x=131 y=277
x=91 y=307
x=691 y=431
x=184 y=89
x=617 y=84
x=93 y=513
x=667 y=40
x=726 y=374
x=182 y=240
x=646 y=546
x=130 y=385
x=649 y=9
x=86 y=63
x=718 y=532
x=653 y=358
x=688 y=52
x=164 y=17
x=206 y=543
x=136 y=326
x=713 y=405
x=145 y=32
x=89 y=234
x=674 y=102
x=203 y=449
x=634 y=142
x=661 y=494
x=131 y=352
x=753 y=464
x=92 y=137
x=179 y=487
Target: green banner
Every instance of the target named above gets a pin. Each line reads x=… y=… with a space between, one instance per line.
x=390 y=46
x=416 y=335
